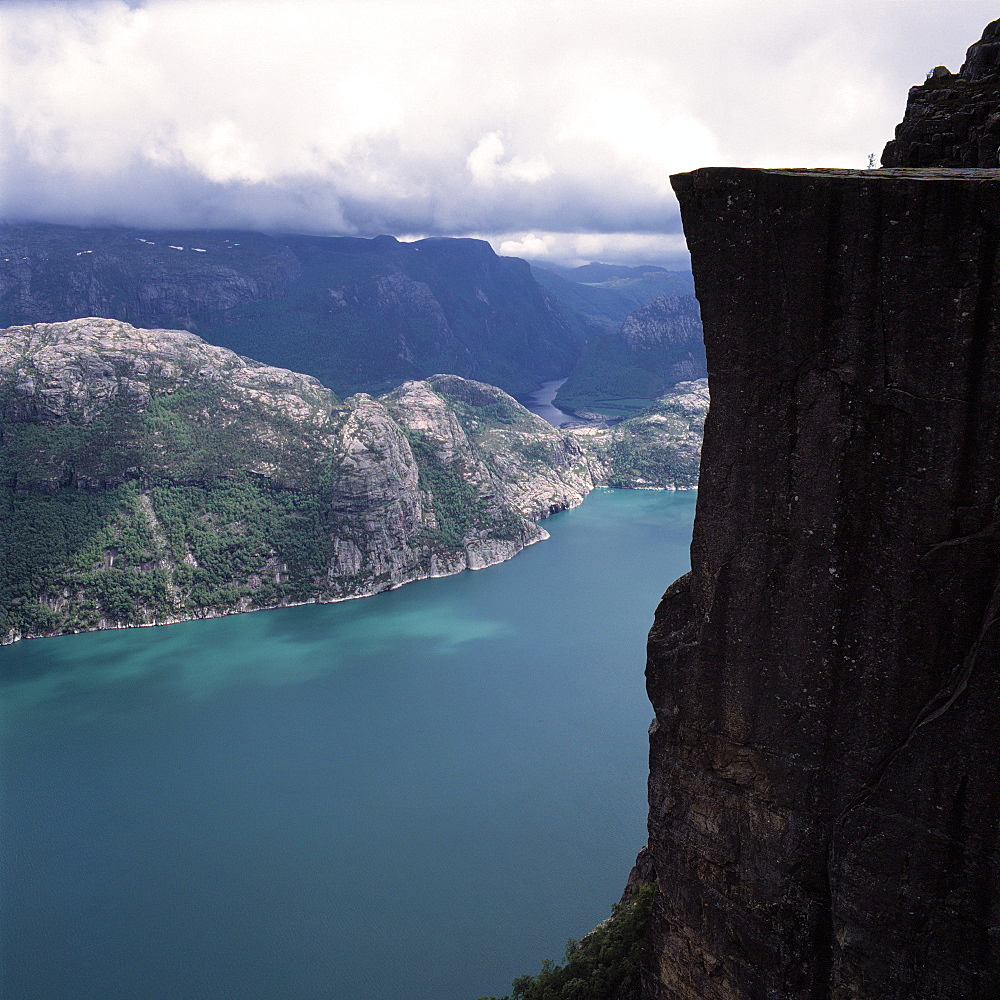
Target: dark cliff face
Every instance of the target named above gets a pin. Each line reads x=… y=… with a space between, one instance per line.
x=953 y=119
x=824 y=787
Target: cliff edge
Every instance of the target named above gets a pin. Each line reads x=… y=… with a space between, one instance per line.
x=824 y=787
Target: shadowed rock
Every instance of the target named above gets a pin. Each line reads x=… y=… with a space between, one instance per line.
x=824 y=781
x=953 y=119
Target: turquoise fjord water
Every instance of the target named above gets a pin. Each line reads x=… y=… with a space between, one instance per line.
x=415 y=796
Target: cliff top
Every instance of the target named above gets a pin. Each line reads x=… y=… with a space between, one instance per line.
x=882 y=174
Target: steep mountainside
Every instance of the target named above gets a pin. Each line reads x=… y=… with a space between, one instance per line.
x=598 y=297
x=357 y=314
x=824 y=819
x=148 y=476
x=657 y=346
x=659 y=447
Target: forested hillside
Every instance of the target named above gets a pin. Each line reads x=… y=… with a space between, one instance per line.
x=148 y=476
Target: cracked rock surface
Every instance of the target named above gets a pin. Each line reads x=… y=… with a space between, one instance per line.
x=953 y=119
x=824 y=804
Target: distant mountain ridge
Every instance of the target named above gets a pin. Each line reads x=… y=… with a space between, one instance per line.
x=366 y=314
x=359 y=314
x=596 y=272
x=598 y=297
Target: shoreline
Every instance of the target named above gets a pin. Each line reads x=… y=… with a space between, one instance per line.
x=7 y=640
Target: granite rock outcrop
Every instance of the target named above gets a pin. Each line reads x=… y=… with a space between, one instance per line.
x=824 y=815
x=953 y=119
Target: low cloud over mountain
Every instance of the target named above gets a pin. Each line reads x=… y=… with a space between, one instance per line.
x=548 y=128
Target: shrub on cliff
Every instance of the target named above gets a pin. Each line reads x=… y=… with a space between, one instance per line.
x=603 y=966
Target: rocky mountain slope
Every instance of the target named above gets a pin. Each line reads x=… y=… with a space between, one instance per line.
x=358 y=314
x=597 y=297
x=658 y=448
x=824 y=819
x=149 y=476
x=621 y=372
x=953 y=119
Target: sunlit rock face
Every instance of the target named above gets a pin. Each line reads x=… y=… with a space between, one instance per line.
x=824 y=812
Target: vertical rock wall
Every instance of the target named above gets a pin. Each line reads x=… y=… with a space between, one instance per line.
x=824 y=787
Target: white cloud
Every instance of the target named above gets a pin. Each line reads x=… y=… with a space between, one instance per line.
x=487 y=165
x=574 y=249
x=644 y=140
x=443 y=116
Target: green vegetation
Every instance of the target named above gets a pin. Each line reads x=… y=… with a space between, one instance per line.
x=650 y=448
x=223 y=488
x=143 y=513
x=72 y=557
x=622 y=371
x=490 y=412
x=611 y=379
x=458 y=506
x=152 y=509
x=605 y=965
x=607 y=380
x=190 y=435
x=241 y=537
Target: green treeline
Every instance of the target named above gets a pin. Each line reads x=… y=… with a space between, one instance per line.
x=605 y=965
x=241 y=537
x=71 y=557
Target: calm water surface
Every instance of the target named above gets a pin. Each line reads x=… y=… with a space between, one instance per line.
x=540 y=403
x=416 y=796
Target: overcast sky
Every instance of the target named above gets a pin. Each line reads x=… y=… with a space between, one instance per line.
x=548 y=127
